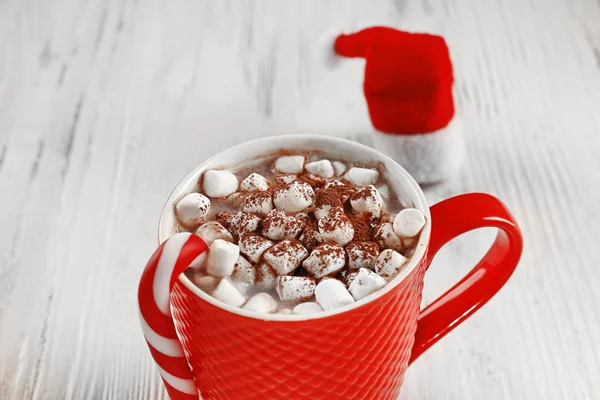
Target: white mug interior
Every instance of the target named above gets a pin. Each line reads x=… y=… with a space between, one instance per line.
x=400 y=181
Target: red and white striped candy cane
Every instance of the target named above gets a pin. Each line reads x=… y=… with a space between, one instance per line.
x=158 y=278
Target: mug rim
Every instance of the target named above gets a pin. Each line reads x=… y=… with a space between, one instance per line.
x=165 y=231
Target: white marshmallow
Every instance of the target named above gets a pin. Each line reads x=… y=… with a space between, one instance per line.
x=253 y=246
x=192 y=209
x=219 y=183
x=310 y=237
x=325 y=259
x=322 y=168
x=212 y=230
x=384 y=190
x=285 y=179
x=362 y=176
x=344 y=195
x=285 y=256
x=254 y=182
x=222 y=257
x=389 y=263
x=207 y=283
x=321 y=210
x=293 y=197
x=336 y=227
x=362 y=255
x=289 y=164
x=235 y=199
x=240 y=222
x=334 y=183
x=385 y=237
x=409 y=222
x=307 y=308
x=228 y=294
x=364 y=283
x=350 y=277
x=266 y=277
x=339 y=168
x=331 y=293
x=367 y=200
x=261 y=303
x=243 y=288
x=244 y=271
x=278 y=225
x=260 y=203
x=295 y=287
x=285 y=311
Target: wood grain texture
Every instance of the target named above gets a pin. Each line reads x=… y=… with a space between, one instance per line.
x=105 y=105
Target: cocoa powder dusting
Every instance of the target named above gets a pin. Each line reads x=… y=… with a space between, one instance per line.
x=362 y=227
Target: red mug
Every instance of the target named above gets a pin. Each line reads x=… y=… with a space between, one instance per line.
x=207 y=349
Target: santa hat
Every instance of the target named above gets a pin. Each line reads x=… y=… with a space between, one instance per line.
x=408 y=88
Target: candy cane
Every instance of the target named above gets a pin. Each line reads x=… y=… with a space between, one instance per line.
x=158 y=278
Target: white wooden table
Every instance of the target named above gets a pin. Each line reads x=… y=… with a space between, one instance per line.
x=106 y=104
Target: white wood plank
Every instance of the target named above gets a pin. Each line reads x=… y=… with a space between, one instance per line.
x=104 y=105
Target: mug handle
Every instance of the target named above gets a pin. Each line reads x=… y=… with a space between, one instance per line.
x=162 y=271
x=450 y=219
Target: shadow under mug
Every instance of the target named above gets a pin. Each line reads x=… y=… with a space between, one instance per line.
x=206 y=348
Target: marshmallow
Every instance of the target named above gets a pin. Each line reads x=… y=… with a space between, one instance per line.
x=219 y=183
x=311 y=237
x=322 y=168
x=334 y=184
x=254 y=182
x=228 y=294
x=384 y=190
x=260 y=203
x=236 y=199
x=325 y=259
x=244 y=271
x=285 y=179
x=364 y=283
x=331 y=293
x=261 y=303
x=385 y=237
x=350 y=277
x=266 y=277
x=212 y=230
x=344 y=191
x=389 y=263
x=207 y=283
x=289 y=164
x=303 y=217
x=362 y=255
x=240 y=222
x=339 y=168
x=361 y=176
x=295 y=287
x=321 y=210
x=285 y=311
x=293 y=197
x=192 y=209
x=325 y=199
x=222 y=257
x=278 y=225
x=307 y=308
x=253 y=246
x=367 y=200
x=409 y=222
x=336 y=227
x=285 y=256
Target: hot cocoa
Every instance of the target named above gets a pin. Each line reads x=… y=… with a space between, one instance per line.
x=298 y=234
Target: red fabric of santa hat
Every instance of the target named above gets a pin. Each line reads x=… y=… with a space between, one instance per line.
x=408 y=88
